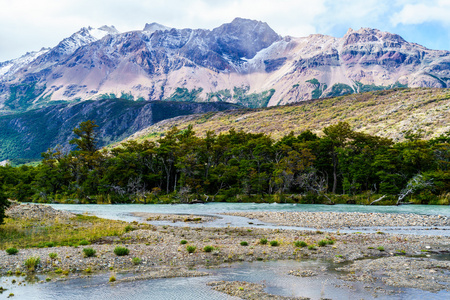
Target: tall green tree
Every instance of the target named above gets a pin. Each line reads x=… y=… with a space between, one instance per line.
x=86 y=159
x=338 y=135
x=3 y=205
x=87 y=137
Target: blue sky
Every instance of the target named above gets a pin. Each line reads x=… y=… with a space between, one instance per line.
x=27 y=25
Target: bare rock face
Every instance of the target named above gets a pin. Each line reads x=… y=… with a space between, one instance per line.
x=243 y=38
x=242 y=55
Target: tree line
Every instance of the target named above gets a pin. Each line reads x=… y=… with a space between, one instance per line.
x=341 y=166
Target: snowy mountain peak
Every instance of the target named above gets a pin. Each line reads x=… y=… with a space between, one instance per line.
x=155 y=62
x=110 y=29
x=8 y=68
x=152 y=27
x=84 y=36
x=101 y=32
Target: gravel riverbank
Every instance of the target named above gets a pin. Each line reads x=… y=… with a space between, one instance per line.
x=160 y=251
x=344 y=220
x=247 y=290
x=187 y=218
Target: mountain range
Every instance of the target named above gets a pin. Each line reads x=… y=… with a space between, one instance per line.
x=244 y=62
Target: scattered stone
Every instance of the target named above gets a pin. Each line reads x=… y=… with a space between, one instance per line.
x=420 y=274
x=302 y=273
x=246 y=290
x=343 y=219
x=174 y=217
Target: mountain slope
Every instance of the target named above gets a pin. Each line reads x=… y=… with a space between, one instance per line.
x=384 y=113
x=244 y=61
x=27 y=135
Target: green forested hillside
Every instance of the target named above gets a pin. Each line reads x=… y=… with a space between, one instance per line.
x=392 y=146
x=390 y=113
x=343 y=166
x=26 y=135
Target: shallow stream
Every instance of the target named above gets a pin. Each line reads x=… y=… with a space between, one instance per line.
x=124 y=212
x=274 y=275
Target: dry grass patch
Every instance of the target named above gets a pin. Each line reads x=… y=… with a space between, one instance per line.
x=24 y=233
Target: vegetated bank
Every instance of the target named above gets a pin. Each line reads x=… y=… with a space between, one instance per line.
x=342 y=166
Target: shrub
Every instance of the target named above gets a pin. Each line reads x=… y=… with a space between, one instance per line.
x=300 y=244
x=12 y=251
x=322 y=243
x=191 y=249
x=263 y=241
x=136 y=260
x=208 y=248
x=58 y=271
x=112 y=278
x=32 y=262
x=274 y=243
x=49 y=244
x=244 y=243
x=52 y=255
x=381 y=248
x=89 y=252
x=121 y=251
x=331 y=242
x=83 y=243
x=129 y=228
x=183 y=242
x=312 y=247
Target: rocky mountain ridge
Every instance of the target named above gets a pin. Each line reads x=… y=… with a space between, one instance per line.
x=244 y=62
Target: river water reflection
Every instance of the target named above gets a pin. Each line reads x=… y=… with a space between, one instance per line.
x=274 y=275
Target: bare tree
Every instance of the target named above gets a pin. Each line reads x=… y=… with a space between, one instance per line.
x=312 y=181
x=414 y=184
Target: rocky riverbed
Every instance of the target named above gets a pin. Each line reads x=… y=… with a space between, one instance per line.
x=397 y=260
x=247 y=290
x=174 y=218
x=344 y=220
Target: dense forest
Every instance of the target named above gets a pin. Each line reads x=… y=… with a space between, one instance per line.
x=341 y=166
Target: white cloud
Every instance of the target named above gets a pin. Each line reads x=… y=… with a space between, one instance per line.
x=27 y=25
x=426 y=11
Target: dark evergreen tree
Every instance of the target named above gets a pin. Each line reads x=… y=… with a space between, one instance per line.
x=3 y=205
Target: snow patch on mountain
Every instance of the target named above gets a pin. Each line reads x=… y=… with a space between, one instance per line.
x=84 y=36
x=8 y=68
x=154 y=62
x=152 y=27
x=103 y=31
